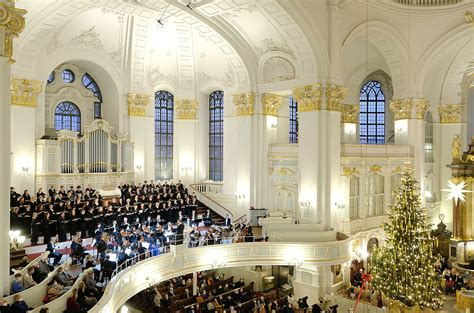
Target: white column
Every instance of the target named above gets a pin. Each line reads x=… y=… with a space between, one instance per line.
x=195 y=283
x=5 y=103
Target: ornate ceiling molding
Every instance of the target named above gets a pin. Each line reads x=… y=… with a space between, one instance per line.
x=12 y=23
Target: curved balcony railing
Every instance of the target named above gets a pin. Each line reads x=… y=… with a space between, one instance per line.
x=427 y=3
x=182 y=260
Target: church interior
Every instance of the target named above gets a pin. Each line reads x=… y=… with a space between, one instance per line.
x=236 y=156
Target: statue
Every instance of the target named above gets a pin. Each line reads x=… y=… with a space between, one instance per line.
x=456 y=149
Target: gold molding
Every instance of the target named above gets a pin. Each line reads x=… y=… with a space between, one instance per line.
x=468 y=18
x=350 y=113
x=421 y=105
x=450 y=113
x=398 y=169
x=335 y=94
x=137 y=104
x=25 y=92
x=271 y=103
x=348 y=172
x=401 y=109
x=308 y=97
x=282 y=171
x=375 y=169
x=12 y=23
x=245 y=103
x=186 y=109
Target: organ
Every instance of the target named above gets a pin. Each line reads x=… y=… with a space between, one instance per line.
x=97 y=157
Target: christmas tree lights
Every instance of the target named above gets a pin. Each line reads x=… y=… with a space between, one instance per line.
x=403 y=269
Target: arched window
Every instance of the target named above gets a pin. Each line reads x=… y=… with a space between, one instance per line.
x=67 y=116
x=216 y=135
x=429 y=137
x=50 y=78
x=372 y=113
x=163 y=135
x=293 y=114
x=89 y=83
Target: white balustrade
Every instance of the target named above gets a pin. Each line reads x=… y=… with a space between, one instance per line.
x=427 y=3
x=184 y=260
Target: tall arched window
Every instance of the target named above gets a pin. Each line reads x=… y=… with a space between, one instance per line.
x=293 y=115
x=163 y=135
x=428 y=137
x=67 y=116
x=89 y=83
x=216 y=135
x=372 y=113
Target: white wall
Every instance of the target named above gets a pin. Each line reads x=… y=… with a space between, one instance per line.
x=142 y=133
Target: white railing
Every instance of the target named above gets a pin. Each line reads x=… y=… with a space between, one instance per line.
x=184 y=260
x=427 y=3
x=201 y=191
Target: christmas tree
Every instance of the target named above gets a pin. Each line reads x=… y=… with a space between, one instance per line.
x=404 y=268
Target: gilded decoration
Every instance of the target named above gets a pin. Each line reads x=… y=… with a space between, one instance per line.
x=282 y=171
x=422 y=105
x=308 y=97
x=186 y=109
x=137 y=104
x=450 y=113
x=401 y=109
x=334 y=96
x=12 y=23
x=398 y=169
x=375 y=169
x=348 y=172
x=271 y=103
x=245 y=103
x=350 y=113
x=456 y=149
x=25 y=92
x=399 y=307
x=468 y=18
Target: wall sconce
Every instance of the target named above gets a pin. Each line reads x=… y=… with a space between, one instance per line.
x=339 y=206
x=16 y=240
x=296 y=262
x=185 y=169
x=305 y=204
x=274 y=125
x=240 y=195
x=139 y=167
x=25 y=169
x=218 y=264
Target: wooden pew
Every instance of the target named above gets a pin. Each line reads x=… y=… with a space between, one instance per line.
x=24 y=270
x=60 y=304
x=34 y=296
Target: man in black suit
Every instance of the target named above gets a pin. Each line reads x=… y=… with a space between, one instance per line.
x=179 y=232
x=227 y=220
x=53 y=253
x=107 y=268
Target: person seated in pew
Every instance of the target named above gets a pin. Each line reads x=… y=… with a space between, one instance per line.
x=86 y=300
x=4 y=306
x=72 y=306
x=17 y=284
x=54 y=290
x=19 y=305
x=64 y=278
x=28 y=280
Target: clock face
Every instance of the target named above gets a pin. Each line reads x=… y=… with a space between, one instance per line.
x=441 y=217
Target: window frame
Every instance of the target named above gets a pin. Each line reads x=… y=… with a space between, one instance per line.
x=73 y=115
x=372 y=113
x=164 y=134
x=293 y=122
x=216 y=136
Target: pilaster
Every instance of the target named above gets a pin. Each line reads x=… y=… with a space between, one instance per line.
x=186 y=139
x=450 y=126
x=12 y=24
x=320 y=109
x=142 y=134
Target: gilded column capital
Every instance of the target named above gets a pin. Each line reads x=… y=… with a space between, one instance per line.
x=350 y=113
x=25 y=92
x=137 y=104
x=245 y=103
x=450 y=113
x=335 y=94
x=308 y=97
x=271 y=103
x=12 y=23
x=186 y=109
x=421 y=106
x=401 y=109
